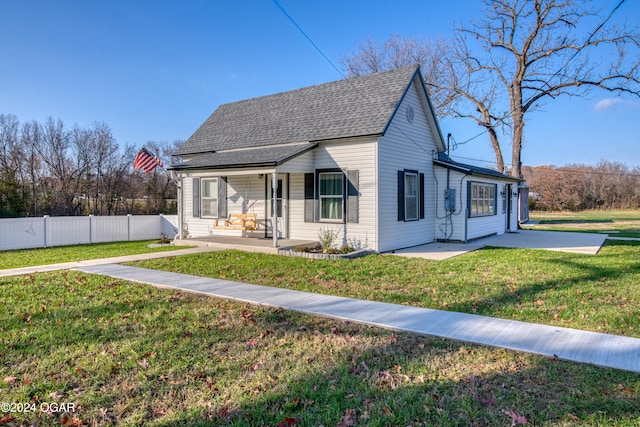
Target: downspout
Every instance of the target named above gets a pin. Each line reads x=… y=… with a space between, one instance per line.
x=466 y=225
x=446 y=208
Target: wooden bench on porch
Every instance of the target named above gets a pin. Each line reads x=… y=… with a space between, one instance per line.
x=235 y=221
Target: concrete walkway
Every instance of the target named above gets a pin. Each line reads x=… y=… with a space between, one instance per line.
x=598 y=349
x=581 y=243
x=113 y=260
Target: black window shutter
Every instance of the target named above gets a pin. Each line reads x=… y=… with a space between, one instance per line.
x=468 y=200
x=196 y=197
x=222 y=197
x=309 y=197
x=421 y=196
x=401 y=196
x=353 y=193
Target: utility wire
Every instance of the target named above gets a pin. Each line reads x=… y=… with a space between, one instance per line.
x=593 y=33
x=456 y=143
x=282 y=9
x=317 y=48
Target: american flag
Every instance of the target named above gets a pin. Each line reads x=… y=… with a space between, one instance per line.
x=146 y=161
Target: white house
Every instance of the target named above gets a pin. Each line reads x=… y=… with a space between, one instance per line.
x=362 y=156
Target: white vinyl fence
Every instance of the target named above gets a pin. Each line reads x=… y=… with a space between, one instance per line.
x=25 y=233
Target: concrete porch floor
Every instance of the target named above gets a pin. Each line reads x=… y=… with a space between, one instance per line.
x=249 y=244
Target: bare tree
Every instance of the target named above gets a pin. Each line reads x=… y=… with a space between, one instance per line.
x=519 y=55
x=46 y=168
x=397 y=52
x=541 y=49
x=30 y=137
x=13 y=197
x=477 y=94
x=607 y=185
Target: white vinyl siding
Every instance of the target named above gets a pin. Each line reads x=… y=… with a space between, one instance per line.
x=450 y=225
x=459 y=226
x=405 y=146
x=345 y=155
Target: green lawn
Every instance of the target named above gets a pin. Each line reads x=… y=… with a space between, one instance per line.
x=591 y=292
x=127 y=354
x=620 y=223
x=59 y=254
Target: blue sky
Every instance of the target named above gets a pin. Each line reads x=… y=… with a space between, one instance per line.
x=155 y=70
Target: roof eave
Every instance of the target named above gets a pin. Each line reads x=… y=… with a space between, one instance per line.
x=467 y=171
x=273 y=163
x=342 y=138
x=183 y=167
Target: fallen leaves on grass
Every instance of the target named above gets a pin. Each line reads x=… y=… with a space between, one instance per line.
x=57 y=395
x=362 y=367
x=288 y=422
x=72 y=422
x=489 y=401
x=347 y=419
x=625 y=389
x=516 y=418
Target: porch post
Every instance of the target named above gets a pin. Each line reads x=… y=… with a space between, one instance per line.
x=179 y=206
x=274 y=200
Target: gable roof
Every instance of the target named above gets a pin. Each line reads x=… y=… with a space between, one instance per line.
x=358 y=106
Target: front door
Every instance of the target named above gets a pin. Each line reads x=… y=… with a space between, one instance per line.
x=282 y=207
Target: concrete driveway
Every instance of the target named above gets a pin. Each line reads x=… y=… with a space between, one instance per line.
x=582 y=243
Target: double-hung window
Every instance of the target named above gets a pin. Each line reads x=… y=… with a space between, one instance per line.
x=482 y=199
x=210 y=197
x=410 y=196
x=331 y=195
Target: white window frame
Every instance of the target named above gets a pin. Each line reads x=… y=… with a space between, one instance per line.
x=408 y=215
x=323 y=197
x=482 y=199
x=203 y=198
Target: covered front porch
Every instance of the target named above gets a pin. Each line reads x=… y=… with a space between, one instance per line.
x=249 y=244
x=238 y=181
x=218 y=197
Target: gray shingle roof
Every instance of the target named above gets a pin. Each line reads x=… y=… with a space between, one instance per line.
x=252 y=157
x=445 y=161
x=357 y=106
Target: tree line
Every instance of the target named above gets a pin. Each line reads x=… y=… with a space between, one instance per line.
x=607 y=185
x=48 y=168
